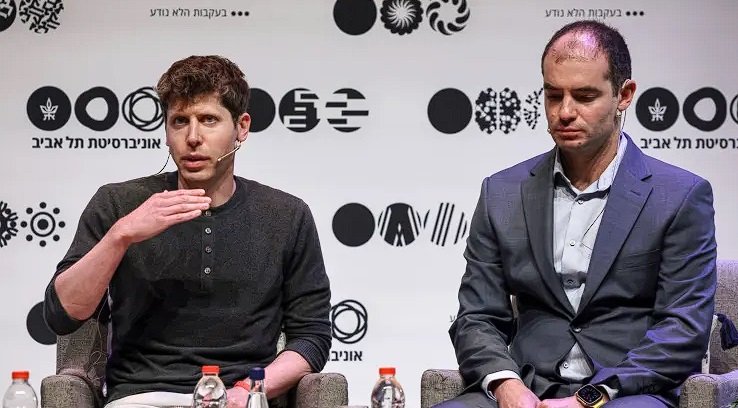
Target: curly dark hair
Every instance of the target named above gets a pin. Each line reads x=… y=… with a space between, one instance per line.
x=194 y=76
x=608 y=41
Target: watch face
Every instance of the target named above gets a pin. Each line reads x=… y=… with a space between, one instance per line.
x=589 y=394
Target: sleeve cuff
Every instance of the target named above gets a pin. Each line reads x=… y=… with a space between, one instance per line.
x=315 y=356
x=611 y=392
x=500 y=375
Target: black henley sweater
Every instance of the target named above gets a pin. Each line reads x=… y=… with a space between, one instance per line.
x=214 y=290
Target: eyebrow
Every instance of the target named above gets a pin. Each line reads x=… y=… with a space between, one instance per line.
x=585 y=89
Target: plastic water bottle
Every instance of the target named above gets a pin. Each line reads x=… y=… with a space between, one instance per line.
x=257 y=389
x=210 y=391
x=20 y=394
x=387 y=392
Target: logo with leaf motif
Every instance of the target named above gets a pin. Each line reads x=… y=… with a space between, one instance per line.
x=657 y=111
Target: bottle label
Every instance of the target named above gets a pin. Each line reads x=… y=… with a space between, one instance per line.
x=387 y=396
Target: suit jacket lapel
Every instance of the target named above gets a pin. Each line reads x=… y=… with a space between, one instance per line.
x=537 y=193
x=627 y=196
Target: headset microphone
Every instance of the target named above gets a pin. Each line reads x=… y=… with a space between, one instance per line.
x=238 y=146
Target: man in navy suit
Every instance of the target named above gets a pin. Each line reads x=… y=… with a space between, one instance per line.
x=609 y=254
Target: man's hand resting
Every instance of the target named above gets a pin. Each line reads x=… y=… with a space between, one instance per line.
x=512 y=393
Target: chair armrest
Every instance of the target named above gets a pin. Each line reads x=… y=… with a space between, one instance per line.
x=66 y=391
x=322 y=390
x=709 y=390
x=437 y=386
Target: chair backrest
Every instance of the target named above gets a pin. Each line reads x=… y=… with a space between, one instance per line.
x=726 y=302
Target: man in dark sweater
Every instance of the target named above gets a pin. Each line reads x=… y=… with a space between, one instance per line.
x=197 y=266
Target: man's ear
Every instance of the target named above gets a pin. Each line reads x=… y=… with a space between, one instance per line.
x=626 y=94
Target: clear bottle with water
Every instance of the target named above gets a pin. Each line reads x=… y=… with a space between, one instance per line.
x=387 y=392
x=20 y=394
x=210 y=391
x=257 y=389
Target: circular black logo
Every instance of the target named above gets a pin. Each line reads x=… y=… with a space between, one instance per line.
x=49 y=108
x=355 y=17
x=7 y=14
x=9 y=224
x=142 y=109
x=261 y=109
x=399 y=224
x=657 y=109
x=297 y=110
x=352 y=327
x=455 y=22
x=734 y=109
x=721 y=111
x=111 y=102
x=449 y=110
x=41 y=15
x=346 y=110
x=401 y=16
x=37 y=326
x=448 y=225
x=353 y=224
x=43 y=224
x=495 y=111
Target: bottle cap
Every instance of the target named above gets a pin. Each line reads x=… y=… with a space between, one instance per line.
x=211 y=369
x=256 y=374
x=387 y=371
x=20 y=375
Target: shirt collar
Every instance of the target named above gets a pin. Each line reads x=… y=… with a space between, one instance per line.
x=606 y=178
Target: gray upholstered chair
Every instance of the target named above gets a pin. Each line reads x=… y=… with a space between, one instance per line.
x=80 y=370
x=719 y=388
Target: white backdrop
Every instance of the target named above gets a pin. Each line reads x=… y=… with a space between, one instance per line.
x=396 y=155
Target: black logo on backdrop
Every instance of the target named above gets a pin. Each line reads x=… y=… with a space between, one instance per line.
x=142 y=110
x=43 y=15
x=349 y=321
x=355 y=17
x=400 y=224
x=49 y=108
x=298 y=110
x=36 y=325
x=438 y=20
x=401 y=16
x=449 y=110
x=42 y=224
x=657 y=109
x=40 y=16
x=8 y=224
x=7 y=14
x=261 y=109
x=353 y=224
x=342 y=112
x=448 y=226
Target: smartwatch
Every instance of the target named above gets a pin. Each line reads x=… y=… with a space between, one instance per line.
x=590 y=396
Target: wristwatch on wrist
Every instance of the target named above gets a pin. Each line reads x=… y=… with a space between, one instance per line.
x=591 y=396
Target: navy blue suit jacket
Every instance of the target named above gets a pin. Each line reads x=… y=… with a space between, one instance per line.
x=646 y=311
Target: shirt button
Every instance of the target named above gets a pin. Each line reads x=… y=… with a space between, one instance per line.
x=572 y=242
x=207 y=213
x=565 y=364
x=580 y=201
x=208 y=230
x=208 y=249
x=207 y=270
x=577 y=329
